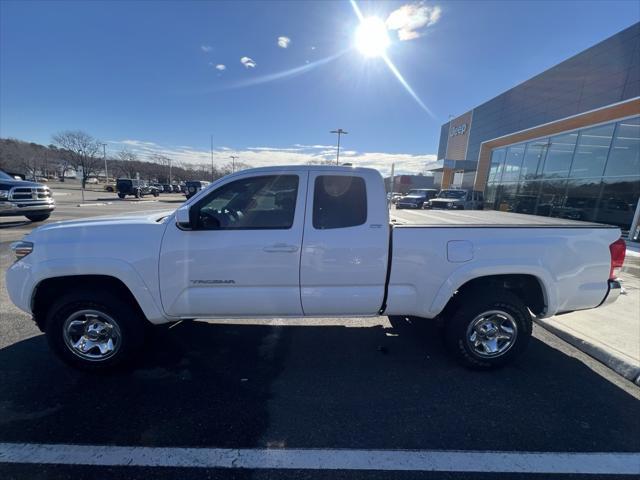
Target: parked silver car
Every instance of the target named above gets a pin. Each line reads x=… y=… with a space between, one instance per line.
x=457 y=199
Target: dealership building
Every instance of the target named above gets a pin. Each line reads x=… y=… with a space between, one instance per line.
x=565 y=143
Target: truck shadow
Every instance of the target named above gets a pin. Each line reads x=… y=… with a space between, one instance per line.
x=205 y=384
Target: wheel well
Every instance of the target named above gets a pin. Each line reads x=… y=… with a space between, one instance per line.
x=50 y=289
x=526 y=287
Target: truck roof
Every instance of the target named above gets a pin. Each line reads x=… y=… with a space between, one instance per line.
x=483 y=218
x=306 y=168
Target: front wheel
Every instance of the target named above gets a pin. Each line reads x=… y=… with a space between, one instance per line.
x=155 y=194
x=121 y=195
x=40 y=217
x=488 y=330
x=94 y=330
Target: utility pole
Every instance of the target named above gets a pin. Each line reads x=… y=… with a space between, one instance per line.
x=104 y=157
x=233 y=162
x=211 y=157
x=339 y=132
x=169 y=171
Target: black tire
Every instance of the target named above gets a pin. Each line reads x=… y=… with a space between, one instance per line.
x=130 y=324
x=459 y=331
x=155 y=194
x=109 y=189
x=39 y=217
x=121 y=195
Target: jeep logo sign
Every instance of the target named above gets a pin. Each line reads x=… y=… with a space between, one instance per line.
x=459 y=130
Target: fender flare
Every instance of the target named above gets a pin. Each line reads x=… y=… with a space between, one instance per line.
x=467 y=273
x=111 y=267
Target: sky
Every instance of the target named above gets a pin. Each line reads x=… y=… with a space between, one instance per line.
x=270 y=80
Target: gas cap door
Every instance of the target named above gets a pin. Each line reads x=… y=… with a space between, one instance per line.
x=459 y=251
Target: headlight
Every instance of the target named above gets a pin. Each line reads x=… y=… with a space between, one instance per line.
x=4 y=194
x=22 y=249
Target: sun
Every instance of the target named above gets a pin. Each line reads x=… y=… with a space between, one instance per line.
x=371 y=37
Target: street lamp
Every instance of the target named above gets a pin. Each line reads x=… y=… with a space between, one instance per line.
x=233 y=162
x=339 y=132
x=104 y=157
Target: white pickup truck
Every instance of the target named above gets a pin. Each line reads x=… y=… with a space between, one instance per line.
x=308 y=242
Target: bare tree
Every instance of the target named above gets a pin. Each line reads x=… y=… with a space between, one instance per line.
x=83 y=150
x=127 y=166
x=321 y=161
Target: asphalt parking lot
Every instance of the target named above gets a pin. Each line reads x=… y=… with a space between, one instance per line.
x=314 y=385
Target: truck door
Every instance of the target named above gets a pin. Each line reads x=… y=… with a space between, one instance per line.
x=345 y=247
x=242 y=255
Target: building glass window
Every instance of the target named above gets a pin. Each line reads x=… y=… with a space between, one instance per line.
x=618 y=201
x=624 y=158
x=591 y=151
x=512 y=163
x=559 y=155
x=581 y=202
x=592 y=174
x=552 y=197
x=497 y=161
x=533 y=158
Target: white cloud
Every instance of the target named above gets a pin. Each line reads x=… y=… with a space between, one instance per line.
x=411 y=19
x=206 y=48
x=221 y=67
x=295 y=155
x=248 y=62
x=283 y=42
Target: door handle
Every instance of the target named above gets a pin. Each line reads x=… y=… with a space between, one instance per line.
x=281 y=247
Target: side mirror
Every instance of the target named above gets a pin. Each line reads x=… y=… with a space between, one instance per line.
x=183 y=218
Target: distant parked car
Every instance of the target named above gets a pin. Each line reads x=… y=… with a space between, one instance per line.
x=183 y=188
x=110 y=187
x=416 y=198
x=458 y=199
x=136 y=188
x=166 y=188
x=91 y=180
x=175 y=188
x=193 y=187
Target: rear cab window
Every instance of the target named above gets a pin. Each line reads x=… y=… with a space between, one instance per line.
x=339 y=201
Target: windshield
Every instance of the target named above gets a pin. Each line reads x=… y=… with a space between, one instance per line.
x=5 y=176
x=452 y=194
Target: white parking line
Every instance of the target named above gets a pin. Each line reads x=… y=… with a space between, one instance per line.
x=325 y=459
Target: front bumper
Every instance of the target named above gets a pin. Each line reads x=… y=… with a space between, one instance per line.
x=407 y=205
x=21 y=208
x=613 y=292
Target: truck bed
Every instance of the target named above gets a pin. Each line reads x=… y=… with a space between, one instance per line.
x=481 y=218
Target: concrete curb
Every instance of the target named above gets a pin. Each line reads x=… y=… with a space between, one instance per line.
x=617 y=363
x=93 y=204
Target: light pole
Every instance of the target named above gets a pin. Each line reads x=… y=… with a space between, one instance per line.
x=339 y=132
x=233 y=162
x=169 y=171
x=211 y=157
x=104 y=157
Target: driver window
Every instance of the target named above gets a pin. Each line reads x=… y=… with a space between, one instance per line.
x=267 y=202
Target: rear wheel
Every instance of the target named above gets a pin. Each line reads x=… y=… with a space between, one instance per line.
x=94 y=330
x=40 y=217
x=488 y=329
x=121 y=195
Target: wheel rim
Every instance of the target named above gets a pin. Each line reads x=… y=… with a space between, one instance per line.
x=92 y=335
x=492 y=333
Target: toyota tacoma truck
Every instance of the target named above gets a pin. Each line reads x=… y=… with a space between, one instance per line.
x=22 y=198
x=308 y=241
